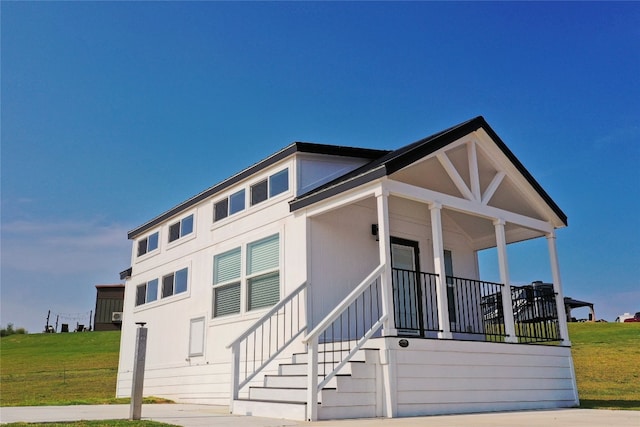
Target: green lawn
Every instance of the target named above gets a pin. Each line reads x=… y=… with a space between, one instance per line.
x=81 y=368
x=606 y=357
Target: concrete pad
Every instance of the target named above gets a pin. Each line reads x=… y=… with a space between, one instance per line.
x=218 y=416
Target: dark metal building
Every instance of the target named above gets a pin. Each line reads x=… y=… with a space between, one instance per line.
x=109 y=303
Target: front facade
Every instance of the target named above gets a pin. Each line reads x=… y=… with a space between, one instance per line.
x=308 y=286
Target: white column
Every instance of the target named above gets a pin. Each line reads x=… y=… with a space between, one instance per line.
x=384 y=248
x=557 y=287
x=438 y=264
x=507 y=305
x=389 y=327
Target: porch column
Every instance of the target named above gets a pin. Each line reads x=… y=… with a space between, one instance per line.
x=557 y=287
x=507 y=305
x=438 y=264
x=384 y=247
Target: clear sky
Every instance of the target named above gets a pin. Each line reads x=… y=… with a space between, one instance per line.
x=114 y=112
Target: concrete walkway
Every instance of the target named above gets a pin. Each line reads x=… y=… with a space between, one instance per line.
x=218 y=416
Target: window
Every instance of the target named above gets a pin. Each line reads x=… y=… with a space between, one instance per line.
x=274 y=185
x=278 y=183
x=259 y=282
x=258 y=192
x=228 y=206
x=147 y=292
x=174 y=283
x=148 y=244
x=196 y=337
x=181 y=228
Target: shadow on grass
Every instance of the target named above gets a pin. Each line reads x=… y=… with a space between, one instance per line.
x=610 y=404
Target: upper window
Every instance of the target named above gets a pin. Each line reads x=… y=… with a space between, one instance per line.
x=175 y=283
x=181 y=228
x=259 y=282
x=228 y=206
x=274 y=185
x=148 y=244
x=147 y=292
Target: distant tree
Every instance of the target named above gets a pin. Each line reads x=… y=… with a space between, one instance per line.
x=9 y=330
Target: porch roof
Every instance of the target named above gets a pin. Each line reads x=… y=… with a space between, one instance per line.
x=395 y=160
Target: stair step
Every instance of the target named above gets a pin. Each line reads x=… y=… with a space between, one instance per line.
x=270 y=409
x=336 y=355
x=341 y=382
x=357 y=369
x=279 y=394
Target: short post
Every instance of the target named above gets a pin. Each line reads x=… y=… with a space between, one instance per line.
x=138 y=372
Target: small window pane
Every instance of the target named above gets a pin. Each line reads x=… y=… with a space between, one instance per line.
x=142 y=247
x=263 y=255
x=152 y=290
x=226 y=300
x=153 y=242
x=167 y=286
x=181 y=281
x=187 y=226
x=236 y=202
x=258 y=192
x=140 y=294
x=226 y=266
x=279 y=183
x=174 y=231
x=220 y=210
x=263 y=291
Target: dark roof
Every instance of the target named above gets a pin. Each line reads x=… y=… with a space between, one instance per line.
x=574 y=303
x=125 y=274
x=395 y=160
x=296 y=147
x=117 y=285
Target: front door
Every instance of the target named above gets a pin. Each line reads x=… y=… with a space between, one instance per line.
x=407 y=294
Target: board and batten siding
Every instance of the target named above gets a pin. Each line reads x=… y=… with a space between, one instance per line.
x=444 y=377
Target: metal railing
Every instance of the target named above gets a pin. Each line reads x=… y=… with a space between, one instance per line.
x=261 y=343
x=415 y=301
x=535 y=313
x=342 y=333
x=475 y=308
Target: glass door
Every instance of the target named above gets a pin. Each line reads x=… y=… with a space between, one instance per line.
x=407 y=295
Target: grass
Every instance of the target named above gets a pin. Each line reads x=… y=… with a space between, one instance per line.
x=605 y=357
x=81 y=368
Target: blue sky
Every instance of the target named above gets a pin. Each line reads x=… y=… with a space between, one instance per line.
x=113 y=112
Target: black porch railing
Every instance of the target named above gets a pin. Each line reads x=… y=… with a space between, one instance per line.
x=535 y=313
x=415 y=301
x=475 y=309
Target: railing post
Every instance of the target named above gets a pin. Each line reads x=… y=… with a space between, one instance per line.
x=312 y=379
x=507 y=304
x=235 y=373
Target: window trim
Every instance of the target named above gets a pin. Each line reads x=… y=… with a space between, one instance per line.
x=146 y=292
x=181 y=237
x=174 y=274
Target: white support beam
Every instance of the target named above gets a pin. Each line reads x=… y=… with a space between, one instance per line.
x=492 y=187
x=557 y=288
x=507 y=305
x=474 y=175
x=424 y=195
x=384 y=250
x=455 y=176
x=438 y=263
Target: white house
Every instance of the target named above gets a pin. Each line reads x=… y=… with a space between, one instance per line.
x=338 y=282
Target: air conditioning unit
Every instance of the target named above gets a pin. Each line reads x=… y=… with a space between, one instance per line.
x=116 y=317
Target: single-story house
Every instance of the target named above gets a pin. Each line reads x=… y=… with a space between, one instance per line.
x=338 y=282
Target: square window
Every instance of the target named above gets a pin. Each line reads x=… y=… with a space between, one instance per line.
x=152 y=242
x=220 y=210
x=279 y=183
x=236 y=202
x=259 y=192
x=226 y=300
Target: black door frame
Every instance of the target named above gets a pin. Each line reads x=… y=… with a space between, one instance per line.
x=418 y=279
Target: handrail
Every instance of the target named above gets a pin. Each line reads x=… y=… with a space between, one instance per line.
x=370 y=283
x=264 y=322
x=267 y=315
x=335 y=313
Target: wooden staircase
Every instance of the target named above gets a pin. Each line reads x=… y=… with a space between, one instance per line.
x=352 y=393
